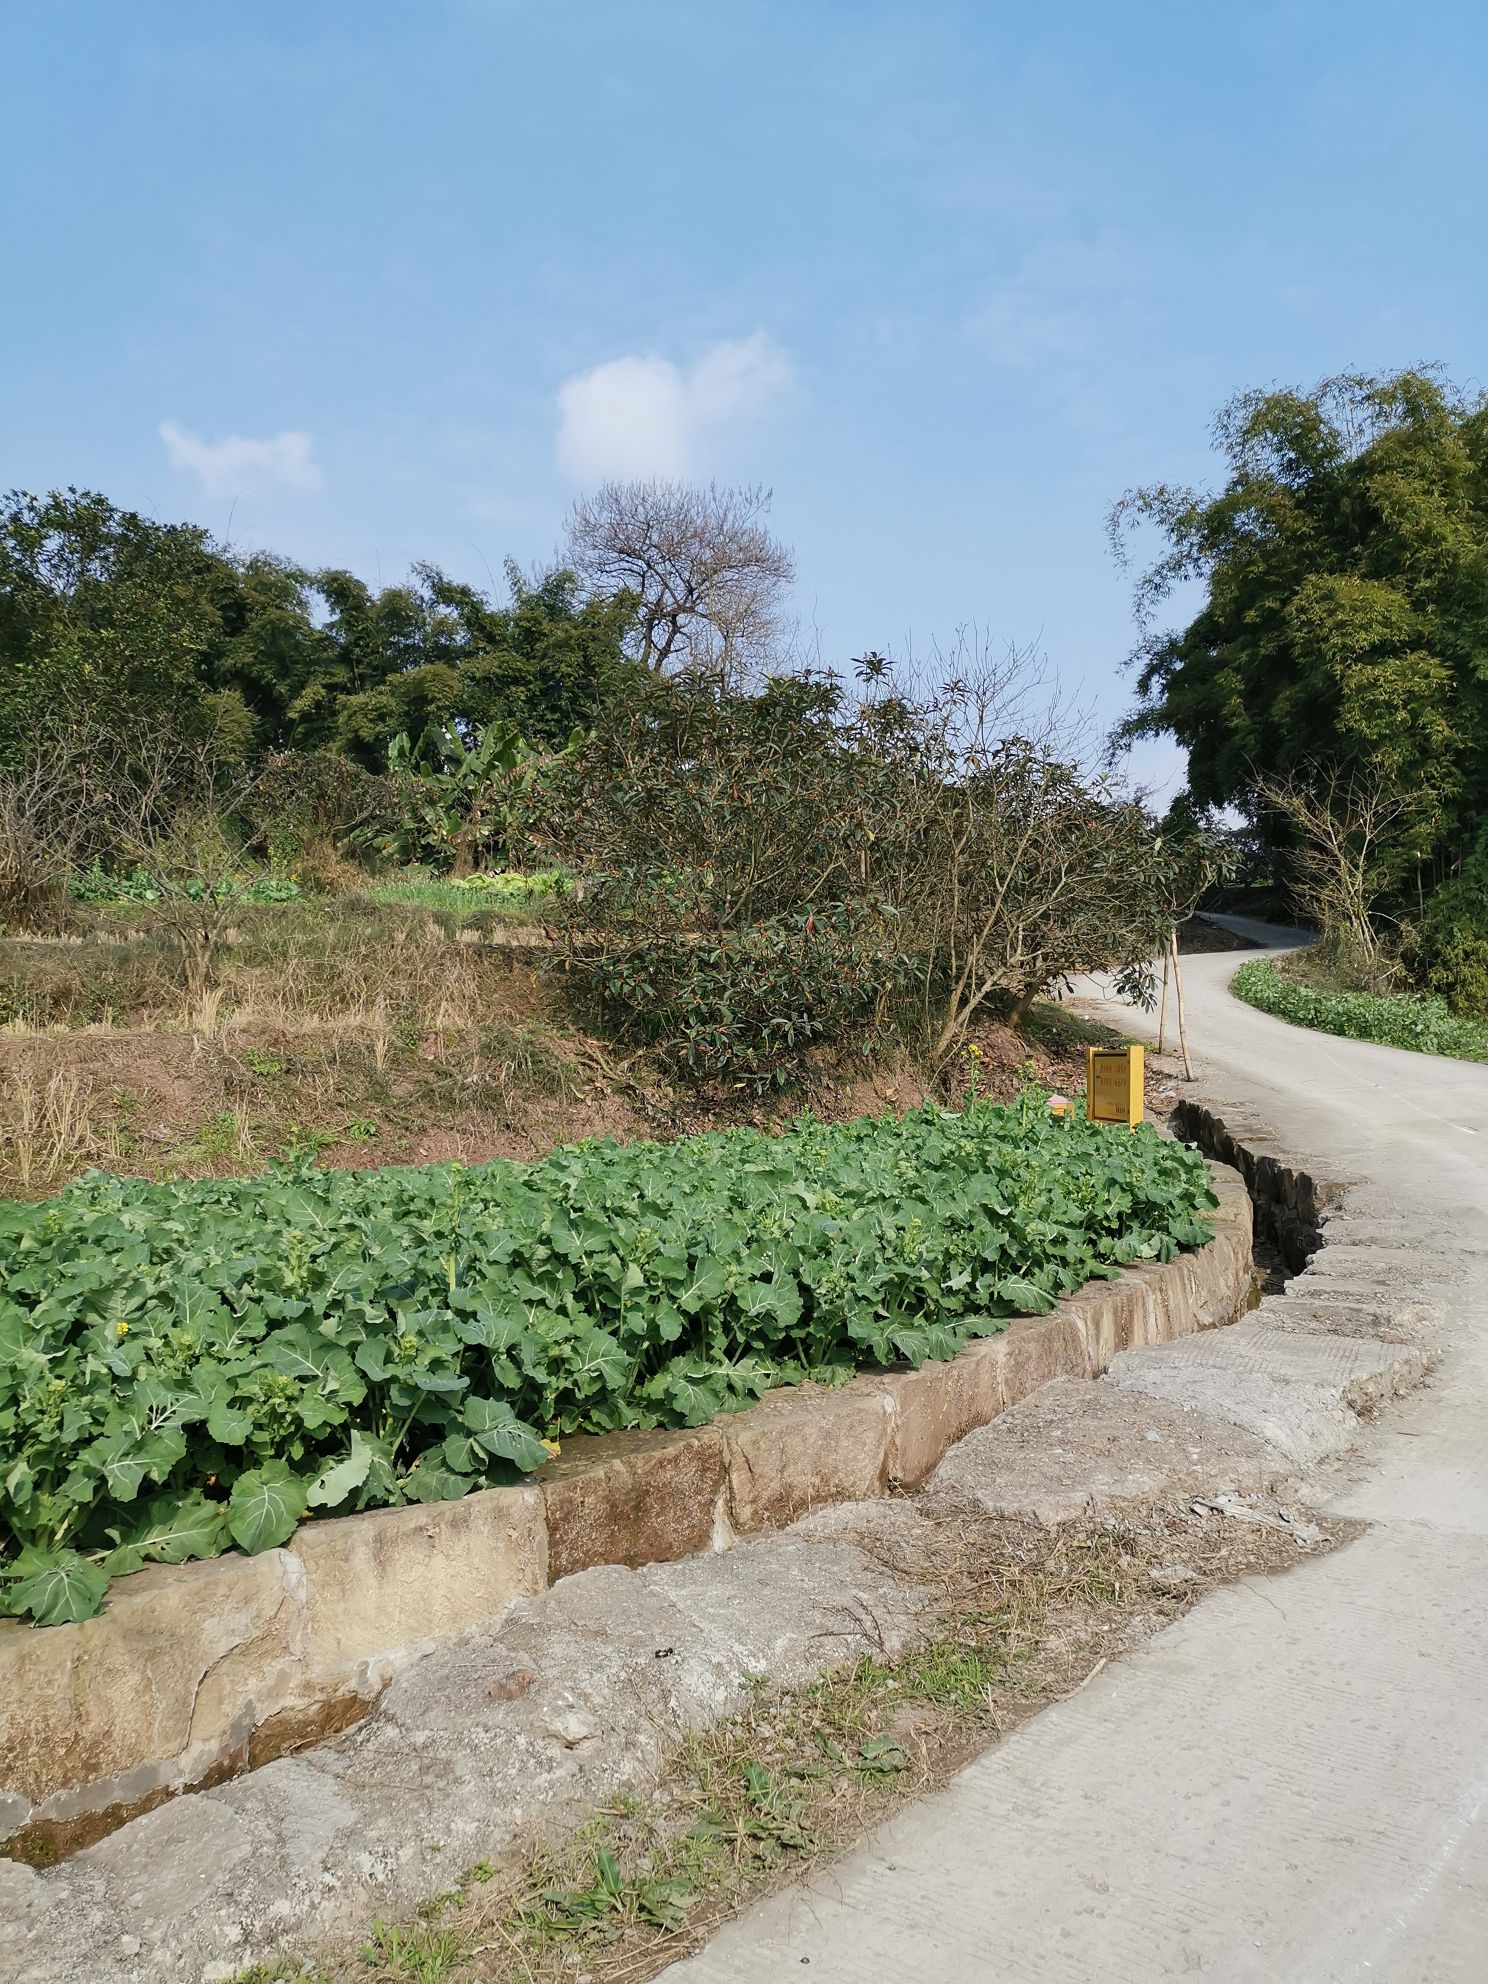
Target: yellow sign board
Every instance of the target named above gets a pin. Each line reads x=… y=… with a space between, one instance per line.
x=1114 y=1078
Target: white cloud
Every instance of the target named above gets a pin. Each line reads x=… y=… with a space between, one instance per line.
x=226 y=467
x=645 y=415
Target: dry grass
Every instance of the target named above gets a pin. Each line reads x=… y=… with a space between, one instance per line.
x=49 y=1128
x=1025 y=1616
x=356 y=1032
x=309 y=964
x=364 y=1032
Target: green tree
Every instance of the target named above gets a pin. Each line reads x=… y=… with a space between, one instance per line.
x=111 y=615
x=275 y=656
x=440 y=655
x=115 y=622
x=1345 y=622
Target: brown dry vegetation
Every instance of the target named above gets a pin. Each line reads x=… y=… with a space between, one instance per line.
x=366 y=1033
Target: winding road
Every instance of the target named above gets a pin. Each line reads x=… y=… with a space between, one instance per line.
x=1290 y=1784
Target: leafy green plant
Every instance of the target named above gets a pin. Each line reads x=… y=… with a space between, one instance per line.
x=611 y=1899
x=227 y=1134
x=304 y=1143
x=1399 y=1019
x=507 y=885
x=504 y=890
x=141 y=886
x=460 y=800
x=188 y=1366
x=425 y=1954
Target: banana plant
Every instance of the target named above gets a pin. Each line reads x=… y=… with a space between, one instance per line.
x=467 y=799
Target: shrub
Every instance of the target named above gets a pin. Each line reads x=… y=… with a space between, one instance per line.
x=766 y=870
x=305 y=800
x=184 y=1367
x=1452 y=943
x=743 y=1005
x=1401 y=1019
x=1455 y=967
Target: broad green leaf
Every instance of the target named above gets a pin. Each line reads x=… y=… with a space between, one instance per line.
x=429 y=1482
x=341 y=1478
x=264 y=1506
x=120 y=1459
x=1025 y=1297
x=494 y=1426
x=64 y=1588
x=228 y=1424
x=693 y=1397
x=171 y=1531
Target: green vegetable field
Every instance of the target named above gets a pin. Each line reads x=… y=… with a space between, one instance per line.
x=1393 y=1019
x=184 y=1368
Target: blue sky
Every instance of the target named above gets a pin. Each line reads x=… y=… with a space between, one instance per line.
x=370 y=282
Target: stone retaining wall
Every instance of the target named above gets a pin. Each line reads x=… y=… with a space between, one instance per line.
x=195 y=1672
x=1289 y=1204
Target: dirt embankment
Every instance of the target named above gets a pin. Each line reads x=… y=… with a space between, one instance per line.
x=395 y=1039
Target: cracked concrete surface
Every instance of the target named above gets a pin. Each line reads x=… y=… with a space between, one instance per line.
x=1289 y=1785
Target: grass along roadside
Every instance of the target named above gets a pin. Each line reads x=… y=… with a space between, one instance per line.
x=1395 y=1019
x=1023 y=1617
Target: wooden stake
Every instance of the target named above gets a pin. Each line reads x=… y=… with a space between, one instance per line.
x=1162 y=1011
x=1188 y=1073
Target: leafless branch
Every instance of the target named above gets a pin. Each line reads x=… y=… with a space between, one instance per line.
x=707 y=576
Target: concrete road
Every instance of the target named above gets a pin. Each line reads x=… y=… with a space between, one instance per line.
x=1289 y=1785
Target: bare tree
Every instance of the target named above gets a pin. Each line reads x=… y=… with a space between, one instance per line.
x=1346 y=848
x=707 y=576
x=47 y=827
x=178 y=809
x=172 y=806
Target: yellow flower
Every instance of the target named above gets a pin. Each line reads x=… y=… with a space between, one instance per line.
x=974 y=1049
x=121 y=1329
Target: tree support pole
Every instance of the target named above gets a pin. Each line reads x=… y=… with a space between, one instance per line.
x=1162 y=1011
x=1188 y=1073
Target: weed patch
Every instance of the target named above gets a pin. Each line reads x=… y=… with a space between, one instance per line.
x=513 y=895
